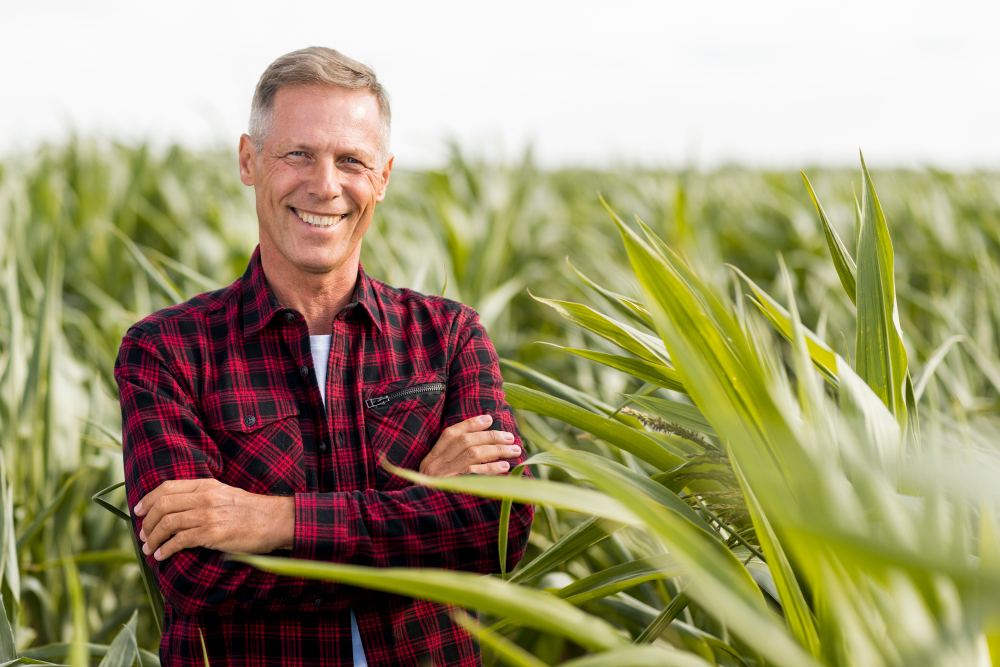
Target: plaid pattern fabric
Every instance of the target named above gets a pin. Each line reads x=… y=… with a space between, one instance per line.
x=223 y=386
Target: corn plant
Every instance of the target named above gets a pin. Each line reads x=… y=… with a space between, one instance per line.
x=788 y=504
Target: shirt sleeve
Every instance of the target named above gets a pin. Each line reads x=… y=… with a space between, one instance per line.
x=164 y=439
x=419 y=526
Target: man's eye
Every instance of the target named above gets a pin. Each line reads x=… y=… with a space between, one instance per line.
x=352 y=160
x=298 y=153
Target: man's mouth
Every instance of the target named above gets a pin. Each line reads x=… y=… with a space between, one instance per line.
x=318 y=220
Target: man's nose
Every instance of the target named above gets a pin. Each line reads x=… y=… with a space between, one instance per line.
x=325 y=180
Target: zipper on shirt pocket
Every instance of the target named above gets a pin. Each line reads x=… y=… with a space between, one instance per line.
x=387 y=399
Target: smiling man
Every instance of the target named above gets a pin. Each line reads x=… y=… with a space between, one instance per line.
x=255 y=417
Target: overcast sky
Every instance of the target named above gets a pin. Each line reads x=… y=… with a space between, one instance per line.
x=766 y=83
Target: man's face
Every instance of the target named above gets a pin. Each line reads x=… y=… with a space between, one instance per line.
x=317 y=176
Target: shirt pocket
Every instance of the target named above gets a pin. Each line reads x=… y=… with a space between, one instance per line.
x=259 y=440
x=403 y=421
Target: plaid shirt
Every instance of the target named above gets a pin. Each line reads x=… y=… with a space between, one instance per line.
x=223 y=386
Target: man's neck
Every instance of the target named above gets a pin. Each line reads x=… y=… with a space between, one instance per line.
x=318 y=296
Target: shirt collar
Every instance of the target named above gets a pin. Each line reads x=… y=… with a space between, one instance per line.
x=260 y=305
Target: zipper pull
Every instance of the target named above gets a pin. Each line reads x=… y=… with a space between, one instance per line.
x=377 y=401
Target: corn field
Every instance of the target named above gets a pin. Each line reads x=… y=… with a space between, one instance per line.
x=761 y=407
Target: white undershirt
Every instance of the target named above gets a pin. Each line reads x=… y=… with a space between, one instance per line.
x=320 y=346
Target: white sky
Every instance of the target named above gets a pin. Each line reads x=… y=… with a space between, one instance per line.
x=766 y=83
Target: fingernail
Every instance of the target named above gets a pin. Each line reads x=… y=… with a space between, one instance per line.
x=515 y=450
x=142 y=534
x=507 y=437
x=485 y=419
x=145 y=549
x=158 y=555
x=138 y=508
x=504 y=465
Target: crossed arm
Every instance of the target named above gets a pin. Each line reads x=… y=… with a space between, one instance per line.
x=180 y=510
x=181 y=514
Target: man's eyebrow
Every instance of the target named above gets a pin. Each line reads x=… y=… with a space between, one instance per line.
x=294 y=146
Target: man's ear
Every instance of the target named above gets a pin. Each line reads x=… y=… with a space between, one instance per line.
x=386 y=170
x=248 y=159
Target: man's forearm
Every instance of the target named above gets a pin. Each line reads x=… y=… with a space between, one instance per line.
x=413 y=527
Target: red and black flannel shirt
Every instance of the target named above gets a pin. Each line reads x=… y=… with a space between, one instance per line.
x=223 y=386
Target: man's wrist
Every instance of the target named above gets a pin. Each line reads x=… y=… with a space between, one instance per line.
x=283 y=522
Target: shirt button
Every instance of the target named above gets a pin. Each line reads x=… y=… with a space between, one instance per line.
x=304 y=371
x=289 y=316
x=319 y=602
x=249 y=420
x=322 y=446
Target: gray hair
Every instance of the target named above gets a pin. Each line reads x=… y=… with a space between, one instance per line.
x=316 y=65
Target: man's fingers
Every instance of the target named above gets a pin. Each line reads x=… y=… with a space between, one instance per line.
x=171 y=524
x=486 y=453
x=494 y=468
x=167 y=506
x=167 y=488
x=470 y=425
x=185 y=539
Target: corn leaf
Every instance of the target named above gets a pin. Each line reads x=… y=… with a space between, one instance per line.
x=634 y=441
x=525 y=606
x=842 y=260
x=880 y=355
x=620 y=577
x=624 y=305
x=660 y=375
x=797 y=614
x=570 y=545
x=529 y=491
x=639 y=656
x=638 y=343
x=686 y=415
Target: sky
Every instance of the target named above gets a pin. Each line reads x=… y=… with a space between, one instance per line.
x=777 y=84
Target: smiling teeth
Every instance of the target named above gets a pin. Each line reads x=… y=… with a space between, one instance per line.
x=318 y=220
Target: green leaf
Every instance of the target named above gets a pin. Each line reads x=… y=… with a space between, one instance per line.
x=587 y=465
x=117 y=511
x=659 y=374
x=624 y=305
x=525 y=606
x=161 y=280
x=822 y=356
x=653 y=631
x=505 y=522
x=8 y=644
x=530 y=491
x=60 y=651
x=204 y=650
x=634 y=441
x=686 y=415
x=933 y=361
x=570 y=545
x=639 y=656
x=508 y=652
x=638 y=343
x=556 y=388
x=49 y=509
x=880 y=355
x=619 y=578
x=124 y=649
x=845 y=266
x=797 y=613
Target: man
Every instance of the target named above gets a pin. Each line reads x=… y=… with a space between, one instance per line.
x=256 y=417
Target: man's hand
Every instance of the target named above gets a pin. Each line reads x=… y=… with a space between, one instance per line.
x=207 y=513
x=467 y=447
